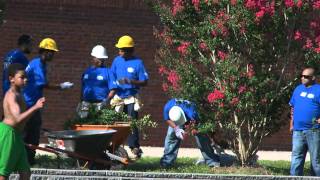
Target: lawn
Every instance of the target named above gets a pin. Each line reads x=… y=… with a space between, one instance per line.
x=183 y=165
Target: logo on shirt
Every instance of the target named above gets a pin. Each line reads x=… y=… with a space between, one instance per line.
x=99 y=77
x=130 y=70
x=86 y=76
x=305 y=94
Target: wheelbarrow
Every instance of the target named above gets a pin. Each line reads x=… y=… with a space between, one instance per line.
x=115 y=147
x=89 y=147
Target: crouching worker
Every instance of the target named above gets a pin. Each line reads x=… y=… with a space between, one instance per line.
x=13 y=156
x=98 y=83
x=177 y=114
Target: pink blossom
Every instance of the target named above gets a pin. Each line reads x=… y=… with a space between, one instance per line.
x=289 y=3
x=317 y=50
x=214 y=33
x=250 y=71
x=234 y=101
x=313 y=24
x=299 y=3
x=215 y=95
x=174 y=78
x=162 y=70
x=242 y=89
x=250 y=4
x=182 y=49
x=165 y=87
x=196 y=4
x=260 y=14
x=308 y=44
x=222 y=55
x=221 y=105
x=177 y=5
x=316 y=4
x=297 y=35
x=233 y=2
x=203 y=46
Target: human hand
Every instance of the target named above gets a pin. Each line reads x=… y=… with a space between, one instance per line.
x=179 y=132
x=194 y=132
x=124 y=81
x=66 y=85
x=40 y=103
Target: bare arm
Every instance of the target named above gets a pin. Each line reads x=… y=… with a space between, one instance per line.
x=291 y=120
x=15 y=110
x=171 y=123
x=52 y=86
x=111 y=94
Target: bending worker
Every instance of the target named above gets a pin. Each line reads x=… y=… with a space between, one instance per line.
x=130 y=74
x=36 y=73
x=98 y=83
x=177 y=114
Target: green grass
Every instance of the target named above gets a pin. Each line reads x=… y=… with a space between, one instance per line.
x=182 y=165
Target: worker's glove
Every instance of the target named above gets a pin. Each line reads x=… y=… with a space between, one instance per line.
x=179 y=132
x=66 y=85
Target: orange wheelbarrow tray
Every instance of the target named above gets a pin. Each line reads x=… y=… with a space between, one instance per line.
x=123 y=130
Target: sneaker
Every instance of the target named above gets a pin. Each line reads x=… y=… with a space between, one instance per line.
x=137 y=152
x=200 y=161
x=214 y=165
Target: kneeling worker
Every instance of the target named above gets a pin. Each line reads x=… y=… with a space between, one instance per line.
x=178 y=113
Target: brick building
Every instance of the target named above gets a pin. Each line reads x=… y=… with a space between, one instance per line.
x=77 y=26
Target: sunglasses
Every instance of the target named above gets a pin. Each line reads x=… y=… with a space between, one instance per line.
x=306 y=76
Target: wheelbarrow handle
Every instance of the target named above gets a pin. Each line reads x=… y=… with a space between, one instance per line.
x=118 y=158
x=70 y=154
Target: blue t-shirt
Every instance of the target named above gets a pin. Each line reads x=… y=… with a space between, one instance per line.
x=188 y=108
x=306 y=107
x=14 y=56
x=132 y=69
x=37 y=78
x=97 y=83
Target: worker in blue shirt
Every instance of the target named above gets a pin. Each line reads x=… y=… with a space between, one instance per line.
x=37 y=80
x=304 y=124
x=130 y=75
x=98 y=83
x=16 y=56
x=178 y=114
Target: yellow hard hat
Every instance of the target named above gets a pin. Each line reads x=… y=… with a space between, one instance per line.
x=125 y=42
x=49 y=44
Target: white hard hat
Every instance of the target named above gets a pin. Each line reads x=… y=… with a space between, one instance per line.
x=99 y=52
x=177 y=115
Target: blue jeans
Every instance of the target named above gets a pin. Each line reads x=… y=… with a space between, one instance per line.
x=172 y=144
x=133 y=139
x=303 y=141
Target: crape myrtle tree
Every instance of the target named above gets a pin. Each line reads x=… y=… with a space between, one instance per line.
x=238 y=60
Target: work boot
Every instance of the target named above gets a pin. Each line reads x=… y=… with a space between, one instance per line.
x=137 y=152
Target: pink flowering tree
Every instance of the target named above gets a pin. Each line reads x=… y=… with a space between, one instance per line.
x=238 y=60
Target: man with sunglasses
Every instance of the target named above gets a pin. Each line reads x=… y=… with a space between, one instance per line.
x=304 y=124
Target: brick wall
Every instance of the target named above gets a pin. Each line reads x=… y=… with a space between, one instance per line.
x=77 y=26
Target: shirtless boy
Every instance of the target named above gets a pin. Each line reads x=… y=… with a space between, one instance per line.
x=13 y=155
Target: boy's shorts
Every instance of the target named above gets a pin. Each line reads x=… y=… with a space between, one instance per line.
x=13 y=156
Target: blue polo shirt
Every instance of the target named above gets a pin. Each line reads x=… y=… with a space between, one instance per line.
x=188 y=108
x=14 y=56
x=37 y=78
x=306 y=106
x=132 y=69
x=97 y=83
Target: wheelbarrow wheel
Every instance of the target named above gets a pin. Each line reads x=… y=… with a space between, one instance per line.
x=116 y=165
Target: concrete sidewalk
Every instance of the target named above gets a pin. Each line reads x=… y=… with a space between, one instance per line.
x=195 y=153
